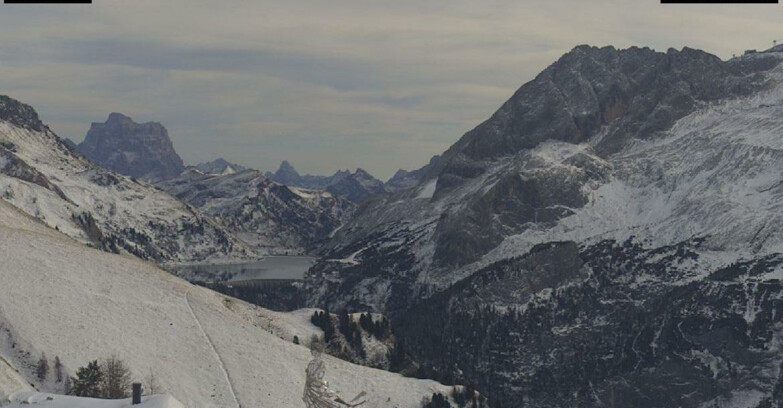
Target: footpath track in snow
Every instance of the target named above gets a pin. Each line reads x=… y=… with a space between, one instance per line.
x=214 y=350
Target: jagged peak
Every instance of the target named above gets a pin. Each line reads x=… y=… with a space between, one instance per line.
x=362 y=172
x=19 y=114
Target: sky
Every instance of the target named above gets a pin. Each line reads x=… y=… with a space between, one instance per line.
x=327 y=85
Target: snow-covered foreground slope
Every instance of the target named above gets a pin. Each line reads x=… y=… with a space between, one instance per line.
x=35 y=399
x=64 y=299
x=45 y=178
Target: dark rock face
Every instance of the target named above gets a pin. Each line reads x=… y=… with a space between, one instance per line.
x=634 y=92
x=133 y=149
x=19 y=114
x=13 y=166
x=611 y=324
x=287 y=175
x=356 y=187
x=520 y=198
x=403 y=180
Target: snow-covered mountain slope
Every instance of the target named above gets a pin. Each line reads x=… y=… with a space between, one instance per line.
x=44 y=177
x=704 y=168
x=64 y=299
x=270 y=217
x=43 y=400
x=610 y=234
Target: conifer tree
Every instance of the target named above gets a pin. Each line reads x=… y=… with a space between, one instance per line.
x=42 y=368
x=88 y=381
x=58 y=369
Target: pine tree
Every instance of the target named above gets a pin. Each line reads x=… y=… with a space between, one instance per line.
x=88 y=381
x=42 y=369
x=58 y=369
x=116 y=379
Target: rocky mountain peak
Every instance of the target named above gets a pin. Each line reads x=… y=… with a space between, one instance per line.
x=19 y=114
x=286 y=174
x=623 y=94
x=141 y=150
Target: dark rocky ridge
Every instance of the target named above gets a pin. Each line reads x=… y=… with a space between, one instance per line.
x=133 y=149
x=403 y=179
x=356 y=187
x=219 y=166
x=631 y=93
x=19 y=114
x=635 y=92
x=269 y=216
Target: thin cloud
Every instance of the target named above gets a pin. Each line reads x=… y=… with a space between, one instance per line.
x=326 y=85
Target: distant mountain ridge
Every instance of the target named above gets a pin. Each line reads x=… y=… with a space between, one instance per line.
x=220 y=166
x=357 y=186
x=270 y=217
x=141 y=150
x=404 y=180
x=44 y=177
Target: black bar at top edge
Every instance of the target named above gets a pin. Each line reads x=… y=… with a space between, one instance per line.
x=47 y=1
x=719 y=1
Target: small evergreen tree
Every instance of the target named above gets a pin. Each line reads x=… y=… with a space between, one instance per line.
x=42 y=368
x=88 y=381
x=58 y=369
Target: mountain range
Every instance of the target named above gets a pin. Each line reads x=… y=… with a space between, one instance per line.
x=270 y=217
x=357 y=186
x=44 y=177
x=609 y=237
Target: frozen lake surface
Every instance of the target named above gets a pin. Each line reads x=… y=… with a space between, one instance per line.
x=270 y=268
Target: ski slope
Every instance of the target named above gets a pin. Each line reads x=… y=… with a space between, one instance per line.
x=62 y=298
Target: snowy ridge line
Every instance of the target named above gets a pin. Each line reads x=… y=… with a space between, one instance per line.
x=214 y=350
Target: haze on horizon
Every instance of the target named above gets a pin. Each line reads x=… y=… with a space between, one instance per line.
x=325 y=85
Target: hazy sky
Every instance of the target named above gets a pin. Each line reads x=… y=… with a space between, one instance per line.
x=326 y=84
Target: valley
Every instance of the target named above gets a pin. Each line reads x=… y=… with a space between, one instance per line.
x=610 y=236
